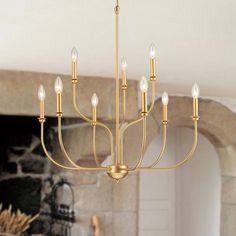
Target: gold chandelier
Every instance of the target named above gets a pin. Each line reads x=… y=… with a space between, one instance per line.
x=117 y=169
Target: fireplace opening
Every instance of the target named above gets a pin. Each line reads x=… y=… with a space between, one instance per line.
x=23 y=166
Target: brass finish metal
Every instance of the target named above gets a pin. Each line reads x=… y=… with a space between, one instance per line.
x=165 y=114
x=140 y=160
x=117 y=11
x=42 y=120
x=196 y=118
x=144 y=104
x=117 y=172
x=153 y=98
x=94 y=147
x=124 y=105
x=124 y=87
x=118 y=169
x=186 y=158
x=195 y=107
x=59 y=106
x=76 y=167
x=74 y=72
x=94 y=115
x=165 y=122
x=160 y=156
x=91 y=121
x=153 y=69
x=42 y=109
x=124 y=80
x=58 y=164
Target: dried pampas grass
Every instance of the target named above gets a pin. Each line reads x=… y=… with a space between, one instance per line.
x=14 y=223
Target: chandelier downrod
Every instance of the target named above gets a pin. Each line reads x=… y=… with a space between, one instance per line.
x=117 y=169
x=117 y=12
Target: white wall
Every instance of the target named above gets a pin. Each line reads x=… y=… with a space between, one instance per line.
x=157 y=193
x=198 y=189
x=183 y=202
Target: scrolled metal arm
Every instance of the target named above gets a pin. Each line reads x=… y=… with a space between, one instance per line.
x=136 y=122
x=94 y=147
x=122 y=137
x=149 y=111
x=144 y=140
x=160 y=156
x=91 y=122
x=186 y=158
x=48 y=155
x=153 y=97
x=66 y=154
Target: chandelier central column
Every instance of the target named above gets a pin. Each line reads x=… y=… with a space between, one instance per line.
x=117 y=11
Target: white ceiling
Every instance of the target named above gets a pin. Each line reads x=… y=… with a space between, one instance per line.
x=196 y=40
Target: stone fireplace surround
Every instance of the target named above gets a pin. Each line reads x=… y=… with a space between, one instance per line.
x=25 y=168
x=95 y=193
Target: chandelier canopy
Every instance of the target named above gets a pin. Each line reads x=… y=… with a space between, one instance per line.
x=118 y=169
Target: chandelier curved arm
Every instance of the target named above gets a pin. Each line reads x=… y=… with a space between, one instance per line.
x=132 y=123
x=144 y=141
x=77 y=108
x=186 y=158
x=153 y=97
x=91 y=122
x=48 y=155
x=126 y=126
x=65 y=152
x=111 y=139
x=122 y=131
x=160 y=156
x=94 y=146
x=122 y=142
x=82 y=115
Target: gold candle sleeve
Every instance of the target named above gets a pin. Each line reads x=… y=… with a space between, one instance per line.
x=42 y=109
x=94 y=115
x=165 y=113
x=144 y=104
x=74 y=72
x=195 y=107
x=152 y=69
x=124 y=80
x=59 y=105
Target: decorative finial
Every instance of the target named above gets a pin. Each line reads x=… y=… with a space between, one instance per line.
x=117 y=7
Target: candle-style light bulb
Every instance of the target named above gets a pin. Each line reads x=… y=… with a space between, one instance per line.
x=165 y=99
x=144 y=84
x=124 y=64
x=58 y=86
x=152 y=51
x=74 y=54
x=41 y=93
x=94 y=100
x=195 y=91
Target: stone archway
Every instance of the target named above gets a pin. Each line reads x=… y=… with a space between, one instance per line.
x=218 y=124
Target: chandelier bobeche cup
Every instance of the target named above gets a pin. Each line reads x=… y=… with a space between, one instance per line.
x=118 y=168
